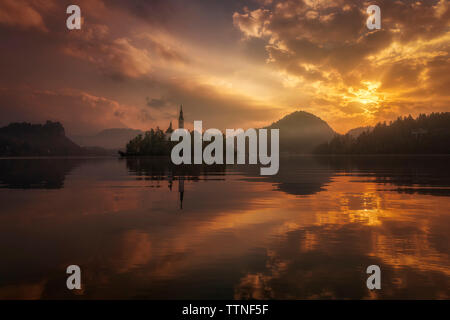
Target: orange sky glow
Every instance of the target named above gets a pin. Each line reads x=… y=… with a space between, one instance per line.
x=230 y=63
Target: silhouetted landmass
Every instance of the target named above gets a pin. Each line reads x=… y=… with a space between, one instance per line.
x=427 y=134
x=26 y=139
x=157 y=143
x=151 y=143
x=49 y=139
x=301 y=132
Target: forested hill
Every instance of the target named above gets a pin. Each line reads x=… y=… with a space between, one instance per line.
x=426 y=134
x=26 y=139
x=302 y=132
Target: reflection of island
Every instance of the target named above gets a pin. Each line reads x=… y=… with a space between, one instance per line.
x=308 y=175
x=161 y=169
x=35 y=173
x=298 y=175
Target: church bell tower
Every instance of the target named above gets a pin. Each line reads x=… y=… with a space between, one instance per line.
x=181 y=118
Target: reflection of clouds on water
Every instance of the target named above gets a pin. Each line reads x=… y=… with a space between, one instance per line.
x=335 y=268
x=394 y=231
x=131 y=250
x=235 y=237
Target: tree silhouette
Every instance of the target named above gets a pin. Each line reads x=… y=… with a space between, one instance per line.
x=427 y=134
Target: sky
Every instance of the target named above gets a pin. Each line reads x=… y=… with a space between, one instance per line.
x=231 y=63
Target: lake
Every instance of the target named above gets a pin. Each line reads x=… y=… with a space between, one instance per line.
x=143 y=229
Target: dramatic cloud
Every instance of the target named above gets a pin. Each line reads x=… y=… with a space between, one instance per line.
x=117 y=58
x=229 y=64
x=79 y=111
x=22 y=14
x=327 y=50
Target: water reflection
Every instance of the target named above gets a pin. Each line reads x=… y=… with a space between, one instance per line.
x=158 y=169
x=35 y=173
x=411 y=174
x=309 y=232
x=297 y=175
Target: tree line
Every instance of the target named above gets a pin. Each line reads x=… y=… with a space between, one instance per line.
x=426 y=134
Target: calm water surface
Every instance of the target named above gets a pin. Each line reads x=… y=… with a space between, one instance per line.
x=139 y=228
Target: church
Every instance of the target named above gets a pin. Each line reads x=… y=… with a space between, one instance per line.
x=169 y=130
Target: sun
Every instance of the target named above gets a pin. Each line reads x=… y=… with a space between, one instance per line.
x=367 y=94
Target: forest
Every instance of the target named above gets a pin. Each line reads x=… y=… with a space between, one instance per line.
x=426 y=134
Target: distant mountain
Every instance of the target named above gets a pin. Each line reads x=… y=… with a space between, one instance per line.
x=49 y=139
x=356 y=132
x=115 y=138
x=302 y=132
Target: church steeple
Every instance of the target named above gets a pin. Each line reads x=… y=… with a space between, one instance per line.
x=169 y=129
x=181 y=118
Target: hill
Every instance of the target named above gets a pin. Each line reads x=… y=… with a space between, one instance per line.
x=115 y=138
x=49 y=139
x=302 y=132
x=26 y=139
x=427 y=134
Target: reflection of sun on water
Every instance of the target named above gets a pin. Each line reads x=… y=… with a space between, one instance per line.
x=397 y=225
x=384 y=211
x=297 y=240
